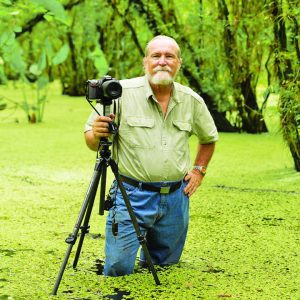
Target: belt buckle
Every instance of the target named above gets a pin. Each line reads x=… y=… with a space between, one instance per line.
x=165 y=189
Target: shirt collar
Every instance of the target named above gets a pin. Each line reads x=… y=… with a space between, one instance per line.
x=150 y=95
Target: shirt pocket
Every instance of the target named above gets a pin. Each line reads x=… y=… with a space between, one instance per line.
x=183 y=126
x=141 y=132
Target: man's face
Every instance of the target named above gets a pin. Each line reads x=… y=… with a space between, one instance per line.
x=162 y=61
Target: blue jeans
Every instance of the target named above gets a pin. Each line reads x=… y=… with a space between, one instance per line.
x=163 y=219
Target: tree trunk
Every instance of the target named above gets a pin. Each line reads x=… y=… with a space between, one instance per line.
x=252 y=120
x=290 y=90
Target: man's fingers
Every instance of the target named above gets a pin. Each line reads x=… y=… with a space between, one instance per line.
x=101 y=126
x=98 y=125
x=188 y=187
x=187 y=177
x=112 y=116
x=105 y=118
x=193 y=184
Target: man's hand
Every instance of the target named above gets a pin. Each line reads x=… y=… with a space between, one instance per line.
x=194 y=178
x=100 y=126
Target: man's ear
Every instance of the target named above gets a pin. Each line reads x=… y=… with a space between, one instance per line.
x=180 y=63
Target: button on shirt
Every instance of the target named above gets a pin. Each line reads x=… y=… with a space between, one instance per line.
x=151 y=146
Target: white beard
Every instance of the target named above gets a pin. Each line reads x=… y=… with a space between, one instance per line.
x=161 y=78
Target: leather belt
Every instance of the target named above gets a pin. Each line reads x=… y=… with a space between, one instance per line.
x=148 y=187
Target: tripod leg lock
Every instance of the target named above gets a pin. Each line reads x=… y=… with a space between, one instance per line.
x=85 y=229
x=71 y=239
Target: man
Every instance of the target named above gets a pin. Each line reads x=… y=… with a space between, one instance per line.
x=157 y=116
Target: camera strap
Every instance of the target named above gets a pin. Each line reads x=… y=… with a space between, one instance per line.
x=116 y=112
x=115 y=108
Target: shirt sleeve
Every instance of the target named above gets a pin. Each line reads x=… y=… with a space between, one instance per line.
x=203 y=124
x=92 y=117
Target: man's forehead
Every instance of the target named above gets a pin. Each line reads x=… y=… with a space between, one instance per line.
x=163 y=45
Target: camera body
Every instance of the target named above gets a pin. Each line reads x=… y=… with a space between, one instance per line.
x=103 y=90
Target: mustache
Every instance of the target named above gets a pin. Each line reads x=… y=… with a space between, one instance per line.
x=159 y=68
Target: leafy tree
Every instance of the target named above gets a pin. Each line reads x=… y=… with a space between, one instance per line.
x=223 y=43
x=285 y=15
x=243 y=39
x=27 y=62
x=162 y=19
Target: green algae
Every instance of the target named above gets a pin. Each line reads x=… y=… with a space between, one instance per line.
x=244 y=234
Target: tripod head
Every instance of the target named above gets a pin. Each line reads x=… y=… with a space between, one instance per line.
x=103 y=149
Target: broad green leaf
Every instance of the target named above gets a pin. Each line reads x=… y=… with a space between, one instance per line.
x=55 y=7
x=61 y=55
x=49 y=50
x=7 y=38
x=48 y=17
x=34 y=69
x=13 y=55
x=42 y=82
x=99 y=61
x=18 y=29
x=3 y=78
x=42 y=61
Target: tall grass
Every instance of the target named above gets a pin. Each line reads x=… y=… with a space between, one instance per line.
x=243 y=240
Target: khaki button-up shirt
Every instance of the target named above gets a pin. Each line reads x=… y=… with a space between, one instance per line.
x=151 y=146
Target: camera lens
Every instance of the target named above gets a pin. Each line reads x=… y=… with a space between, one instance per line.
x=112 y=89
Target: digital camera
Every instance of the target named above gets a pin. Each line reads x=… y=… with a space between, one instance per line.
x=103 y=90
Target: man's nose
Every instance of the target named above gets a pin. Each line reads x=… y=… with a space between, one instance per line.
x=162 y=60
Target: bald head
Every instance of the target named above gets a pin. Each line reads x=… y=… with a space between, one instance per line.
x=166 y=38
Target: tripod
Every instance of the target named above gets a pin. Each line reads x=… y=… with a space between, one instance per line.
x=100 y=171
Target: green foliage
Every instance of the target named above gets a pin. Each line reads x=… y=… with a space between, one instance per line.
x=54 y=9
x=289 y=107
x=61 y=55
x=16 y=61
x=228 y=48
x=286 y=63
x=99 y=60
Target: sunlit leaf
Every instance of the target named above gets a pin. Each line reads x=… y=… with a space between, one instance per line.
x=61 y=55
x=34 y=69
x=99 y=61
x=42 y=61
x=18 y=29
x=49 y=50
x=14 y=13
x=7 y=38
x=49 y=17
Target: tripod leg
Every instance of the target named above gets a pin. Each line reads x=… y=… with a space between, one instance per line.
x=71 y=240
x=102 y=189
x=140 y=237
x=62 y=269
x=85 y=226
